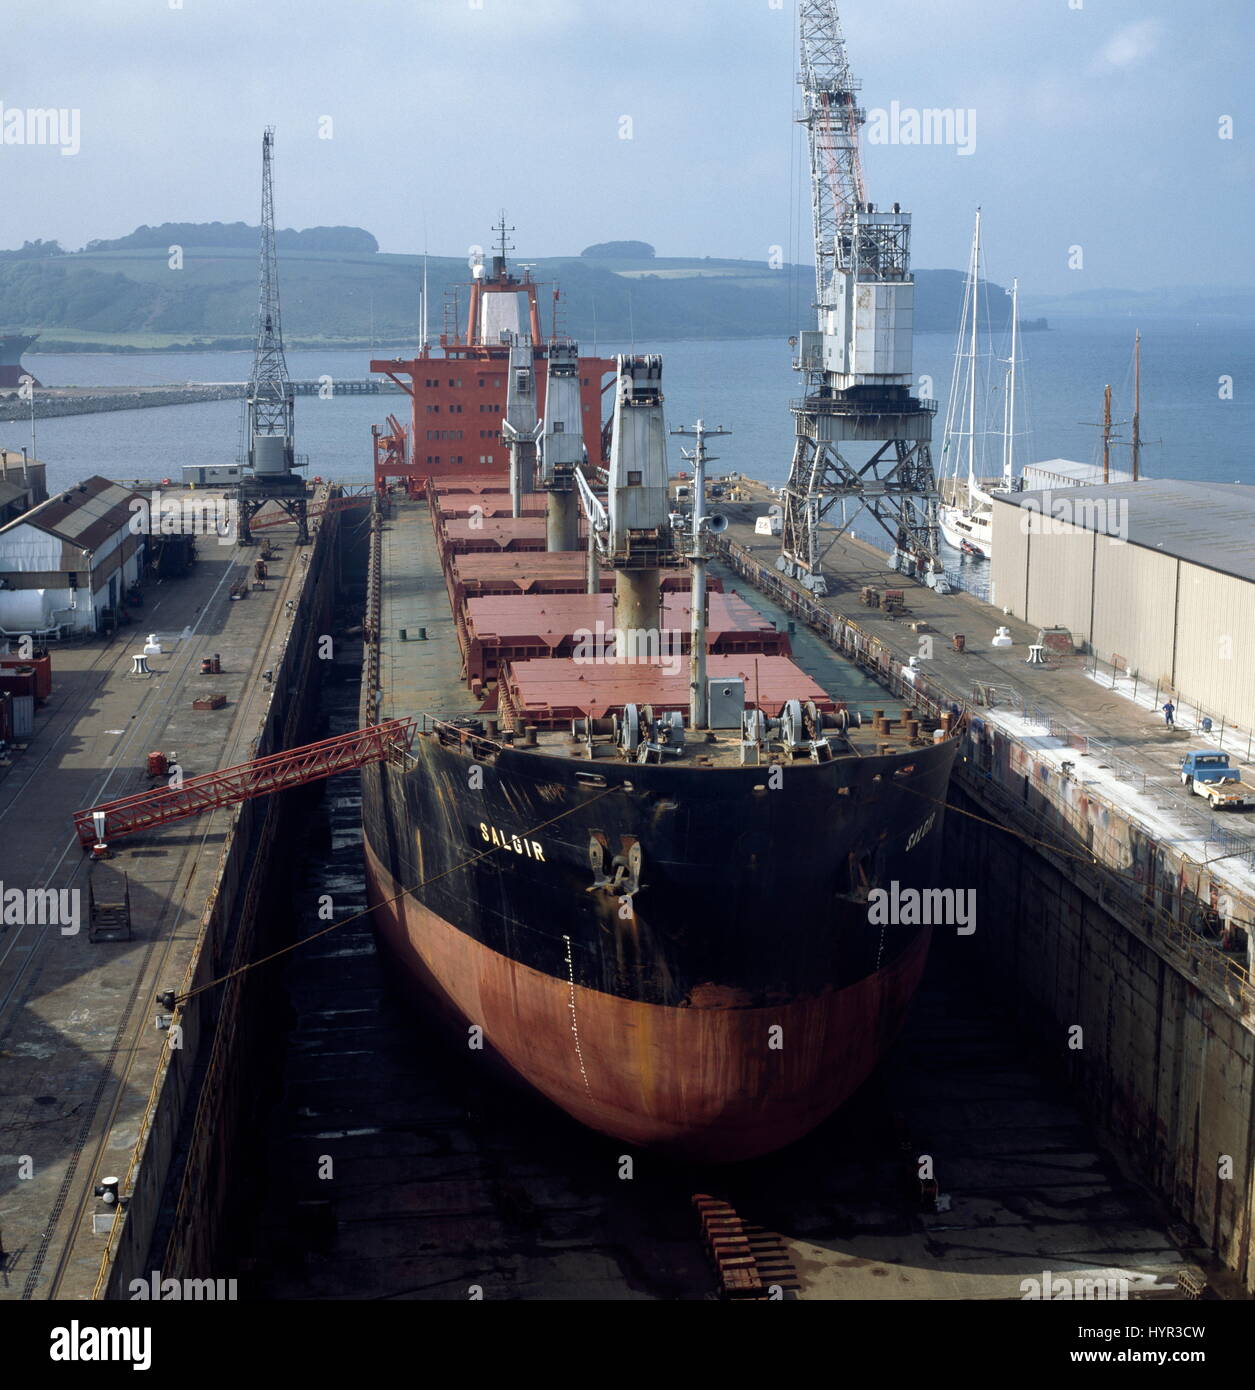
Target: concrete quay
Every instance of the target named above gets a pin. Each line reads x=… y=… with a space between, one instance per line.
x=91 y=1087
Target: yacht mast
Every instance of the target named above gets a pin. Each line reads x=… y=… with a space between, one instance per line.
x=971 y=376
x=1137 y=404
x=1008 y=409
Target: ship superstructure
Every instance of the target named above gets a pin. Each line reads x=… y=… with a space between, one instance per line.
x=461 y=390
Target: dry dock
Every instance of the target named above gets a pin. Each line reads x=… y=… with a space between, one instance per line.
x=91 y=1086
x=444 y=1180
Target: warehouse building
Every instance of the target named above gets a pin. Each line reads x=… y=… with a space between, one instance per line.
x=1158 y=575
x=21 y=484
x=67 y=565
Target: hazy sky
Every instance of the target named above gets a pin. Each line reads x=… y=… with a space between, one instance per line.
x=1095 y=126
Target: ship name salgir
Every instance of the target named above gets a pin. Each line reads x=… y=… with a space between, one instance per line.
x=518 y=843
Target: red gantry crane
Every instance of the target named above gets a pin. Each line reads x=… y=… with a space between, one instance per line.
x=99 y=825
x=332 y=504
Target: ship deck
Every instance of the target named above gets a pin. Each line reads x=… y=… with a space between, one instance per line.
x=422 y=676
x=417 y=675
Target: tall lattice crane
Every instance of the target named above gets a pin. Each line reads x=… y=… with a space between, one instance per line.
x=857 y=362
x=271 y=405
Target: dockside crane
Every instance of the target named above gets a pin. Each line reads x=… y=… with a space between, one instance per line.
x=271 y=401
x=857 y=361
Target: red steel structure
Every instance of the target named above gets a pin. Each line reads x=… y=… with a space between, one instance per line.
x=292 y=768
x=332 y=504
x=458 y=390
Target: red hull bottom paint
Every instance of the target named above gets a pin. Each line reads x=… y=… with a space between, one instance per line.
x=702 y=1084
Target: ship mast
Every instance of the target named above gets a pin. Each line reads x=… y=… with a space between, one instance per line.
x=699 y=713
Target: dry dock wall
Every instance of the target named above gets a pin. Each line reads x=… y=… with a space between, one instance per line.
x=1164 y=1061
x=183 y=1177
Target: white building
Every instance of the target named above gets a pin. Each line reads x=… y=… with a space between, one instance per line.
x=1069 y=473
x=68 y=560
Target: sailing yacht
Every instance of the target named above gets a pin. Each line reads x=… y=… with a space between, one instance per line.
x=968 y=525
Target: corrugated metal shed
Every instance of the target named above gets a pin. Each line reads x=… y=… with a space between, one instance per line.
x=1134 y=606
x=1209 y=524
x=84 y=516
x=1155 y=576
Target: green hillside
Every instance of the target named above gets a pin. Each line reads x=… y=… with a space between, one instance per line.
x=125 y=296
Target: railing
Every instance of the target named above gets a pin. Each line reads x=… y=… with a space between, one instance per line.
x=1189 y=714
x=1198 y=957
x=833 y=405
x=852 y=641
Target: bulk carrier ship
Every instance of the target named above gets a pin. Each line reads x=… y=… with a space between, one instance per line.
x=639 y=877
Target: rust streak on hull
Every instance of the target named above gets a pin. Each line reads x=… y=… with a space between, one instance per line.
x=703 y=1084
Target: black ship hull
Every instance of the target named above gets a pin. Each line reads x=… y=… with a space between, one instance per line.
x=717 y=1007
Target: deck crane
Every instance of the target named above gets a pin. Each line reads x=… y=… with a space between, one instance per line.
x=857 y=361
x=562 y=451
x=521 y=427
x=632 y=533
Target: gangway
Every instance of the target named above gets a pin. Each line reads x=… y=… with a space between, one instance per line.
x=292 y=768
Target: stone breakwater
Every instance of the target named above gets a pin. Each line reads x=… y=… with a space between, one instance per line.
x=91 y=400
